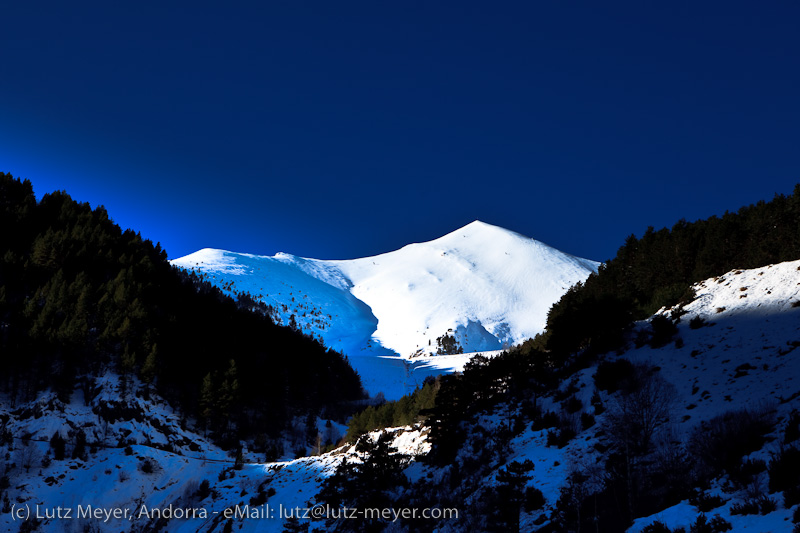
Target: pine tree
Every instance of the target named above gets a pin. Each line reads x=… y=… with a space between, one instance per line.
x=149 y=368
x=207 y=398
x=58 y=445
x=369 y=484
x=229 y=390
x=511 y=495
x=128 y=360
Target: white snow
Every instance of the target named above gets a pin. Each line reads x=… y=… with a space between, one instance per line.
x=112 y=479
x=488 y=287
x=752 y=317
x=443 y=364
x=758 y=326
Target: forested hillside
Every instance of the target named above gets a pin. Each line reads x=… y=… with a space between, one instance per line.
x=78 y=296
x=592 y=317
x=615 y=417
x=657 y=269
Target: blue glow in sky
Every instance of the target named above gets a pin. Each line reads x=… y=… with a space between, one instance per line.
x=345 y=129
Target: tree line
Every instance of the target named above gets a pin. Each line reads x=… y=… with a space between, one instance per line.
x=78 y=295
x=657 y=270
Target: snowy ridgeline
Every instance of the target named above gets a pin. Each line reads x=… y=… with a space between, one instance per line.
x=480 y=288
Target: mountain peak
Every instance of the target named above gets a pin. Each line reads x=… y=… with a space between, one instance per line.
x=485 y=286
x=481 y=230
x=480 y=225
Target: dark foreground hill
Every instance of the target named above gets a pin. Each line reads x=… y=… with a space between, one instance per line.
x=80 y=296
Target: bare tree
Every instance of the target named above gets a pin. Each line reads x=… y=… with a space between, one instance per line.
x=586 y=479
x=28 y=456
x=635 y=414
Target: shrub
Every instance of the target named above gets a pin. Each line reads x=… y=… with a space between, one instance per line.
x=79 y=445
x=720 y=443
x=614 y=375
x=767 y=504
x=784 y=469
x=560 y=437
x=656 y=527
x=259 y=499
x=203 y=490
x=705 y=502
x=748 y=506
x=448 y=345
x=743 y=370
x=697 y=322
x=762 y=504
x=663 y=331
x=147 y=466
x=547 y=420
x=642 y=337
x=562 y=394
x=784 y=475
x=716 y=525
x=534 y=499
x=791 y=496
x=748 y=471
x=58 y=445
x=573 y=405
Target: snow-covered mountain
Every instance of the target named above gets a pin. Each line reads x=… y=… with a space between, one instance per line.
x=485 y=286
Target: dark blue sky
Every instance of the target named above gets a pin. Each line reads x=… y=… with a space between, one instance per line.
x=343 y=129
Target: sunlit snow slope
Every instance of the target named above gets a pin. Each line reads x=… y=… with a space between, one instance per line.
x=486 y=286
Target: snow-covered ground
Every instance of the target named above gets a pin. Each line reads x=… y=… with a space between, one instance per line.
x=488 y=287
x=744 y=355
x=752 y=318
x=140 y=460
